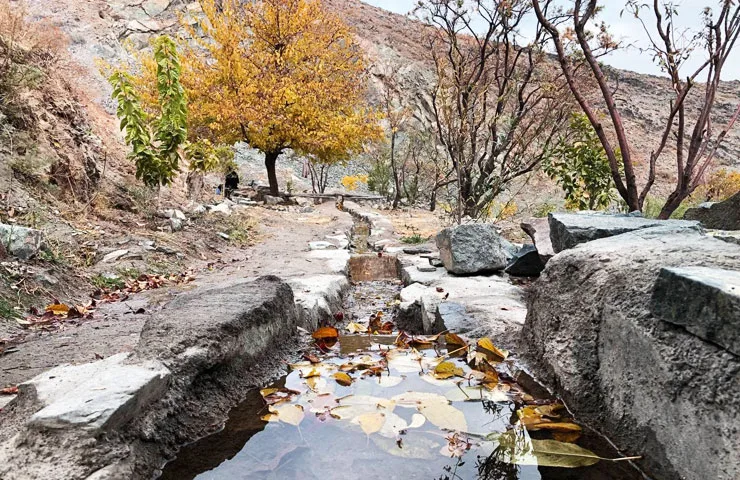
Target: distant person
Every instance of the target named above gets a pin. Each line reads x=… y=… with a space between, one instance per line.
x=232 y=183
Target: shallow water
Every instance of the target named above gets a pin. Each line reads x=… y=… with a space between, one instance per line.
x=329 y=442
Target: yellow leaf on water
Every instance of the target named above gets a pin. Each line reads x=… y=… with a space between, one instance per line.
x=553 y=426
x=446 y=370
x=290 y=414
x=371 y=422
x=494 y=353
x=343 y=379
x=444 y=416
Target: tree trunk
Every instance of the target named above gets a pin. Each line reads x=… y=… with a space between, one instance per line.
x=270 y=161
x=672 y=203
x=396 y=177
x=433 y=200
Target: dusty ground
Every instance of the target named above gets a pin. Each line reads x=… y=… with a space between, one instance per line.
x=115 y=327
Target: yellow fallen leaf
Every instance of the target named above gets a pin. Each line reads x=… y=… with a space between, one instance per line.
x=371 y=422
x=290 y=414
x=58 y=309
x=343 y=379
x=444 y=416
x=494 y=353
x=554 y=426
x=446 y=370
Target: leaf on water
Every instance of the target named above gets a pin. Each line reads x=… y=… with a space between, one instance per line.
x=445 y=416
x=319 y=385
x=455 y=342
x=353 y=406
x=446 y=370
x=554 y=426
x=370 y=422
x=417 y=421
x=326 y=334
x=567 y=437
x=474 y=394
x=417 y=399
x=273 y=396
x=518 y=448
x=291 y=414
x=343 y=379
x=417 y=446
x=550 y=410
x=389 y=381
x=356 y=328
x=429 y=378
x=494 y=353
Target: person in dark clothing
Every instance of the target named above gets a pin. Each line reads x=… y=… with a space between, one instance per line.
x=232 y=183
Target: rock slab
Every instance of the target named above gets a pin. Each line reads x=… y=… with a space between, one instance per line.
x=538 y=230
x=706 y=301
x=473 y=248
x=590 y=333
x=98 y=395
x=21 y=242
x=570 y=229
x=721 y=215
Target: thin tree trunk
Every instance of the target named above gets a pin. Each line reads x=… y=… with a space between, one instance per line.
x=433 y=200
x=270 y=161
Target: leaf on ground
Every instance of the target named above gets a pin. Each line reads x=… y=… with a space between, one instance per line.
x=58 y=309
x=326 y=334
x=447 y=370
x=291 y=414
x=343 y=379
x=444 y=416
x=356 y=328
x=494 y=353
x=370 y=422
x=9 y=390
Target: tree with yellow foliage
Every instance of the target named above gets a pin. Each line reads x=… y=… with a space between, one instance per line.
x=278 y=74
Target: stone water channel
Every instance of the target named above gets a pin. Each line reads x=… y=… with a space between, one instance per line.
x=400 y=417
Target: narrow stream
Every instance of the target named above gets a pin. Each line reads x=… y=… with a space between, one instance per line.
x=399 y=418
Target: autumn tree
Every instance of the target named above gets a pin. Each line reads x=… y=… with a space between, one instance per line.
x=692 y=133
x=497 y=104
x=279 y=74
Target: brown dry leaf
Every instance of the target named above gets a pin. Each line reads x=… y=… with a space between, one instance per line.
x=494 y=353
x=549 y=410
x=274 y=396
x=312 y=358
x=343 y=379
x=446 y=370
x=326 y=334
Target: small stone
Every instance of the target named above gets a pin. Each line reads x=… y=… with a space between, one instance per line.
x=176 y=224
x=223 y=208
x=426 y=269
x=115 y=255
x=223 y=235
x=526 y=263
x=321 y=246
x=273 y=201
x=416 y=250
x=21 y=242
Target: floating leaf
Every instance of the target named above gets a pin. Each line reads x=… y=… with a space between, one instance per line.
x=445 y=416
x=455 y=344
x=343 y=379
x=273 y=396
x=417 y=399
x=370 y=422
x=388 y=381
x=473 y=394
x=356 y=328
x=417 y=420
x=447 y=370
x=291 y=414
x=494 y=353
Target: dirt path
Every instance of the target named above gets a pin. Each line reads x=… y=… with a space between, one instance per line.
x=115 y=327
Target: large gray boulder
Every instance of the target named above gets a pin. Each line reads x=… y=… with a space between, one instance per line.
x=21 y=242
x=570 y=229
x=473 y=248
x=721 y=215
x=655 y=388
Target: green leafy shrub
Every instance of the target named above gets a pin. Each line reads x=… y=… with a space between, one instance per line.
x=580 y=166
